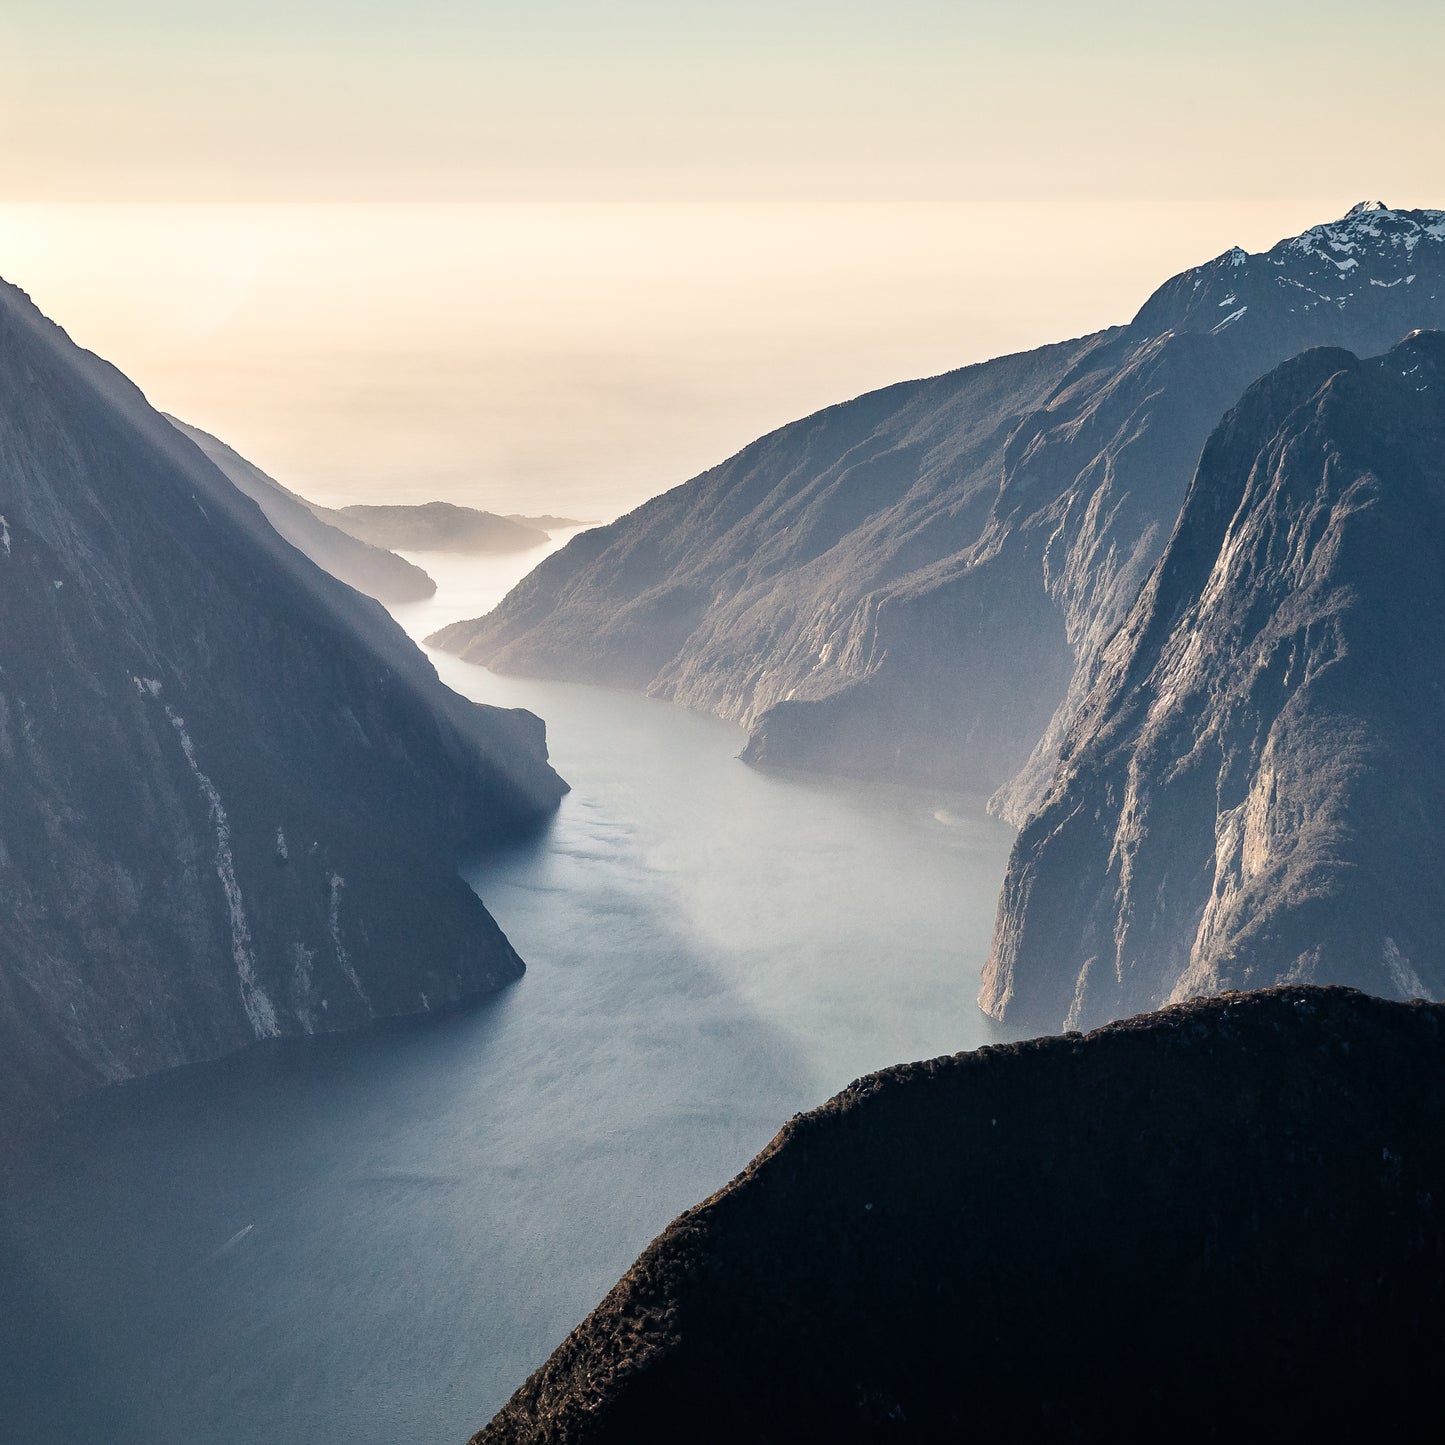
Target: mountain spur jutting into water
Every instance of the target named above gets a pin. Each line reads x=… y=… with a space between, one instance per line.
x=234 y=793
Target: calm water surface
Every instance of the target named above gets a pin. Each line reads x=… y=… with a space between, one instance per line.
x=374 y=1239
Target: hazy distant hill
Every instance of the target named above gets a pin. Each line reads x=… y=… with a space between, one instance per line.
x=916 y=584
x=369 y=569
x=441 y=527
x=233 y=794
x=1254 y=791
x=547 y=522
x=1220 y=1222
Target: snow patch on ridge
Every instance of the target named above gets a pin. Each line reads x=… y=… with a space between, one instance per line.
x=5 y=535
x=1365 y=227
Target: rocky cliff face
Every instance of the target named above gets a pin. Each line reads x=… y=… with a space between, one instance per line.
x=1222 y=1221
x=917 y=584
x=372 y=570
x=1252 y=792
x=232 y=793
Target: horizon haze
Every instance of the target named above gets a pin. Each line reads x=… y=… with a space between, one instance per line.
x=578 y=357
x=563 y=257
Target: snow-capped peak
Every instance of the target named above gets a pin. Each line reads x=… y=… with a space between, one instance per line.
x=1369 y=226
x=1372 y=250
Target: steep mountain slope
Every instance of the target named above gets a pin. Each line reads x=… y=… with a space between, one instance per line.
x=372 y=570
x=1217 y=1222
x=1253 y=791
x=435 y=527
x=232 y=793
x=917 y=583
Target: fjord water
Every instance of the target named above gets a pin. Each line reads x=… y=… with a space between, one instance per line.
x=375 y=1238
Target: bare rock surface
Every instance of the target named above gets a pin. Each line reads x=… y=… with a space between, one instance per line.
x=1252 y=792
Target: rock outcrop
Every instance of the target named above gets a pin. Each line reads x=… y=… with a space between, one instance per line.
x=1222 y=1221
x=233 y=795
x=917 y=584
x=1252 y=792
x=372 y=570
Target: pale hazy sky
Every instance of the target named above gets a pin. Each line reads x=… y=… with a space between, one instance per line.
x=795 y=99
x=556 y=253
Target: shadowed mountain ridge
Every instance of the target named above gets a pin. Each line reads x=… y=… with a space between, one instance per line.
x=233 y=794
x=917 y=584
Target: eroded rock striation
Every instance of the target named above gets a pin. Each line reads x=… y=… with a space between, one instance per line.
x=233 y=795
x=1223 y=1220
x=1252 y=792
x=917 y=584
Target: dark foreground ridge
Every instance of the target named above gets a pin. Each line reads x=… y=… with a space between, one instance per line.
x=1223 y=1219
